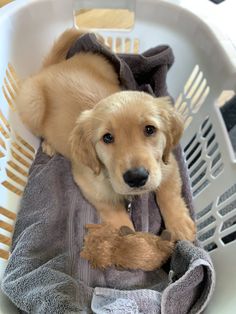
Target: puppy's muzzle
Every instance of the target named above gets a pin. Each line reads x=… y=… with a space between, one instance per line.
x=136 y=177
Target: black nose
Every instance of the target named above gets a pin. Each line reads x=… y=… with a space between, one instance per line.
x=136 y=177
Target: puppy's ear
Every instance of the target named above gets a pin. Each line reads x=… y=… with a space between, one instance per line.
x=82 y=146
x=173 y=125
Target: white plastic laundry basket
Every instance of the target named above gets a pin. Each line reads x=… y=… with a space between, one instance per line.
x=205 y=65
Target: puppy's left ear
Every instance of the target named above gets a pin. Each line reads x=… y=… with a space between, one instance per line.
x=81 y=141
x=173 y=125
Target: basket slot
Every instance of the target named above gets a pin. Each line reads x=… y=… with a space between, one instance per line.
x=5 y=240
x=2 y=143
x=195 y=85
x=9 y=89
x=13 y=83
x=12 y=188
x=212 y=146
x=200 y=178
x=18 y=158
x=227 y=194
x=206 y=216
x=8 y=99
x=17 y=168
x=204 y=230
x=229 y=238
x=123 y=45
x=6 y=226
x=206 y=222
x=197 y=170
x=199 y=102
x=189 y=145
x=6 y=212
x=13 y=74
x=217 y=168
x=199 y=182
x=228 y=206
x=206 y=129
x=194 y=155
x=4 y=121
x=231 y=220
x=191 y=79
x=199 y=93
x=127 y=45
x=15 y=178
x=10 y=86
x=24 y=143
x=118 y=45
x=4 y=254
x=208 y=235
x=201 y=188
x=23 y=151
x=4 y=132
x=193 y=96
x=210 y=247
x=228 y=231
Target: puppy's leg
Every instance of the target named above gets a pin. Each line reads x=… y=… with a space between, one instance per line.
x=48 y=149
x=114 y=214
x=107 y=246
x=173 y=208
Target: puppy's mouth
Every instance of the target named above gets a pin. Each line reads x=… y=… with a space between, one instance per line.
x=126 y=190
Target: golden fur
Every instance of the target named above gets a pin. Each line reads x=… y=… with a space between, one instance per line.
x=73 y=103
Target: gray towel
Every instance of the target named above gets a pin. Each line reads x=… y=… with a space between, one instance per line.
x=45 y=273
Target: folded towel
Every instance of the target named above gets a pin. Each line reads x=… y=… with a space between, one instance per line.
x=45 y=273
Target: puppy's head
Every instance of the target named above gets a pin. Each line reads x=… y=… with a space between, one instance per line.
x=129 y=135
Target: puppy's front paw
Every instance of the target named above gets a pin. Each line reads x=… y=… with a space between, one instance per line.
x=48 y=149
x=182 y=228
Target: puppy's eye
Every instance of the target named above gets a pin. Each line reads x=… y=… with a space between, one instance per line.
x=108 y=138
x=149 y=130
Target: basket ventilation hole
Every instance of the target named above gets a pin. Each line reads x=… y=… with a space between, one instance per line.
x=204 y=211
x=10 y=86
x=6 y=240
x=226 y=206
x=203 y=158
x=210 y=247
x=123 y=45
x=227 y=194
x=206 y=235
x=229 y=238
x=21 y=156
x=4 y=254
x=193 y=96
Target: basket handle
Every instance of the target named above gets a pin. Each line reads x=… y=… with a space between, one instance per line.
x=110 y=15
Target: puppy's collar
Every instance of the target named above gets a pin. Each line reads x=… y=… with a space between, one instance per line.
x=128 y=204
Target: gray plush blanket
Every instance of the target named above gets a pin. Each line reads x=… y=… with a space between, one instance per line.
x=45 y=273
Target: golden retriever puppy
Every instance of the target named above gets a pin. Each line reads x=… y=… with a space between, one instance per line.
x=119 y=142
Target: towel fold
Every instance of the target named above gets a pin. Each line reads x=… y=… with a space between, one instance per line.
x=45 y=273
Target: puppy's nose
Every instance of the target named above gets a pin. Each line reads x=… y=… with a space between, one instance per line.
x=136 y=177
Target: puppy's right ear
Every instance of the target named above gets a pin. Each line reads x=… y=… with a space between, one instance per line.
x=81 y=140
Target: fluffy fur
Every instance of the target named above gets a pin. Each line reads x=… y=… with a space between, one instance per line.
x=72 y=104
